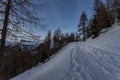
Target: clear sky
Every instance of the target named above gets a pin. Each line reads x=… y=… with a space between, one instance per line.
x=64 y=13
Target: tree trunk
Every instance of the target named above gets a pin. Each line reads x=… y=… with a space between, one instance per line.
x=5 y=24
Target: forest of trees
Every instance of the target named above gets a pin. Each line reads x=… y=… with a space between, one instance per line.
x=105 y=14
x=13 y=60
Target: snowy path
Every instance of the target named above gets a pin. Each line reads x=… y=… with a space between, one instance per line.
x=97 y=59
x=91 y=63
x=77 y=61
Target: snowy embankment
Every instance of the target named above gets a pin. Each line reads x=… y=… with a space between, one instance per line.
x=54 y=69
x=97 y=59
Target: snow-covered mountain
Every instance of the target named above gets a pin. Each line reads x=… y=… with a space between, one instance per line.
x=97 y=59
x=30 y=45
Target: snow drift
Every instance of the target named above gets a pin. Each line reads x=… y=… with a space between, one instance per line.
x=97 y=59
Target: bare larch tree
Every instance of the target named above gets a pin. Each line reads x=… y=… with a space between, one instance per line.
x=15 y=13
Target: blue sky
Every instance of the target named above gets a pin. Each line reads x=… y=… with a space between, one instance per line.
x=63 y=13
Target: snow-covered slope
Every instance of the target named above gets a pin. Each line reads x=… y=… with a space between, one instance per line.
x=54 y=69
x=110 y=40
x=97 y=59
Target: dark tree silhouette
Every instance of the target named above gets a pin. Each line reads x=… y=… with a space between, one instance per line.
x=4 y=31
x=82 y=24
x=101 y=18
x=57 y=37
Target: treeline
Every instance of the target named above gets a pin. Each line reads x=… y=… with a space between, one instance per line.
x=53 y=44
x=104 y=15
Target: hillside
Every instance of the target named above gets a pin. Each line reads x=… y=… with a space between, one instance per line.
x=97 y=59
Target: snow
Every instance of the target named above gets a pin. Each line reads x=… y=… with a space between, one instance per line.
x=30 y=45
x=97 y=59
x=108 y=41
x=53 y=67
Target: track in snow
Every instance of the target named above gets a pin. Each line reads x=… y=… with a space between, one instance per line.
x=91 y=63
x=97 y=59
x=77 y=61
